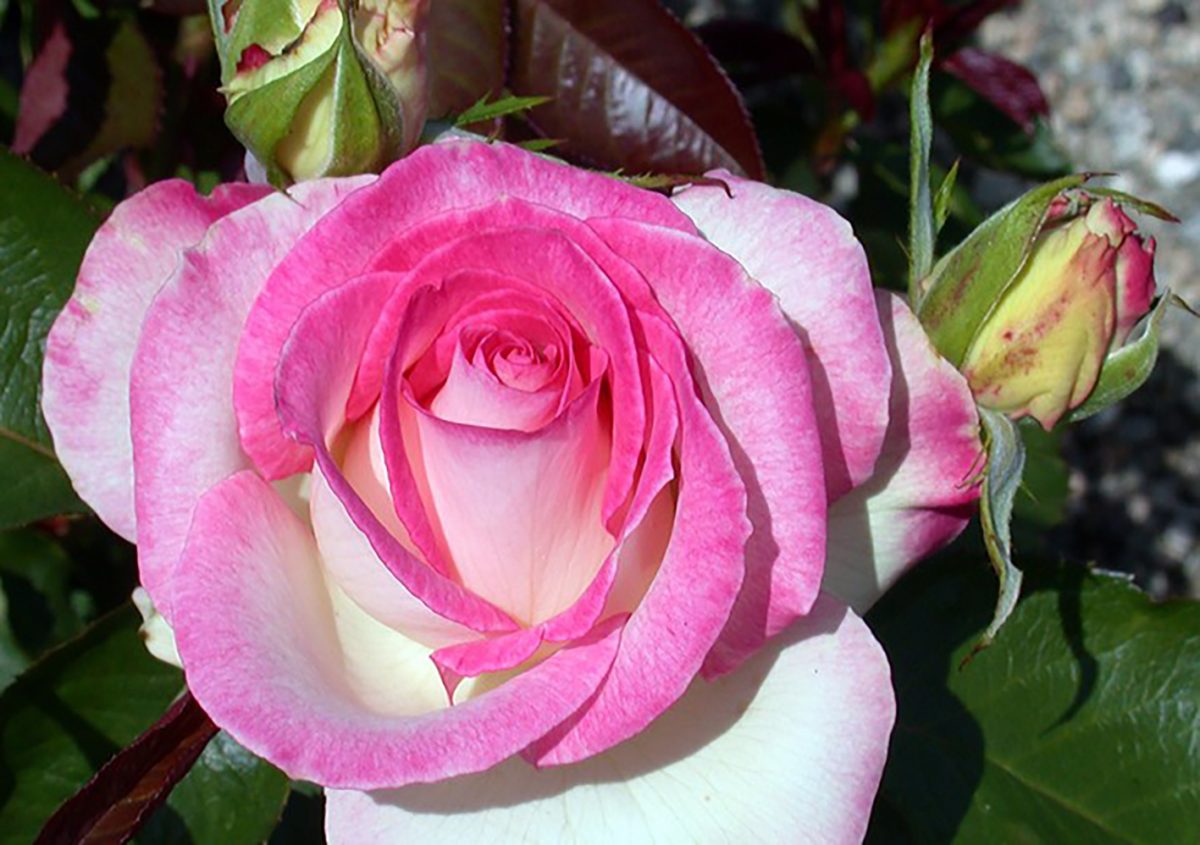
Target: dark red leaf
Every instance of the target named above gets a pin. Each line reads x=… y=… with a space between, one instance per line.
x=93 y=88
x=954 y=24
x=114 y=804
x=632 y=88
x=467 y=53
x=1007 y=85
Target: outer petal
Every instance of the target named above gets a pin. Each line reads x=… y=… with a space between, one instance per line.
x=808 y=256
x=90 y=348
x=268 y=658
x=788 y=748
x=752 y=370
x=923 y=491
x=181 y=397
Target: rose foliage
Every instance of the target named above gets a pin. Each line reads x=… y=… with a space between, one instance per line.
x=503 y=499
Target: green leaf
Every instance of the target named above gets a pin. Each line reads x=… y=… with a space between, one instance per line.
x=1080 y=724
x=966 y=284
x=44 y=231
x=987 y=136
x=483 y=110
x=921 y=227
x=230 y=796
x=1042 y=499
x=942 y=199
x=69 y=713
x=35 y=573
x=1002 y=479
x=1127 y=369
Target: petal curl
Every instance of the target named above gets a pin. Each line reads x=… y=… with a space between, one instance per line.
x=789 y=747
x=807 y=255
x=85 y=390
x=269 y=659
x=924 y=489
x=752 y=370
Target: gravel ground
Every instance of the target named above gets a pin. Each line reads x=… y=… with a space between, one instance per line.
x=1122 y=80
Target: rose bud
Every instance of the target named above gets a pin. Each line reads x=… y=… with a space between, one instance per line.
x=1033 y=305
x=319 y=91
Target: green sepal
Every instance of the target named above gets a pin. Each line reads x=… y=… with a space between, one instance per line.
x=362 y=136
x=1126 y=369
x=967 y=284
x=261 y=118
x=922 y=229
x=943 y=198
x=271 y=24
x=1002 y=480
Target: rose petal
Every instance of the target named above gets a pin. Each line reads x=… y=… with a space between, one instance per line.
x=752 y=369
x=689 y=601
x=924 y=489
x=271 y=668
x=433 y=179
x=312 y=383
x=807 y=255
x=183 y=426
x=85 y=390
x=520 y=513
x=790 y=747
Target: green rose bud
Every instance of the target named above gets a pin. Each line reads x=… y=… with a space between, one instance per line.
x=1035 y=303
x=322 y=87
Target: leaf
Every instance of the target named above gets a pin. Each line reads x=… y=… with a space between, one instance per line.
x=1008 y=86
x=35 y=573
x=966 y=283
x=113 y=804
x=1127 y=369
x=467 y=50
x=1042 y=500
x=68 y=714
x=44 y=231
x=942 y=200
x=1002 y=479
x=921 y=226
x=483 y=111
x=1080 y=724
x=988 y=136
x=93 y=89
x=230 y=796
x=631 y=88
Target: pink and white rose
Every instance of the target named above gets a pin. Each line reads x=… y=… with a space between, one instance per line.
x=506 y=500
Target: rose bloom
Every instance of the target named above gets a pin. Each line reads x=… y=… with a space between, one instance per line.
x=509 y=502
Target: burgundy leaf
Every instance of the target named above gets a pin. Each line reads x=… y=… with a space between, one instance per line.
x=119 y=798
x=93 y=88
x=632 y=88
x=954 y=24
x=1007 y=85
x=467 y=53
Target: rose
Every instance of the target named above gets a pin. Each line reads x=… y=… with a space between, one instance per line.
x=576 y=442
x=1088 y=280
